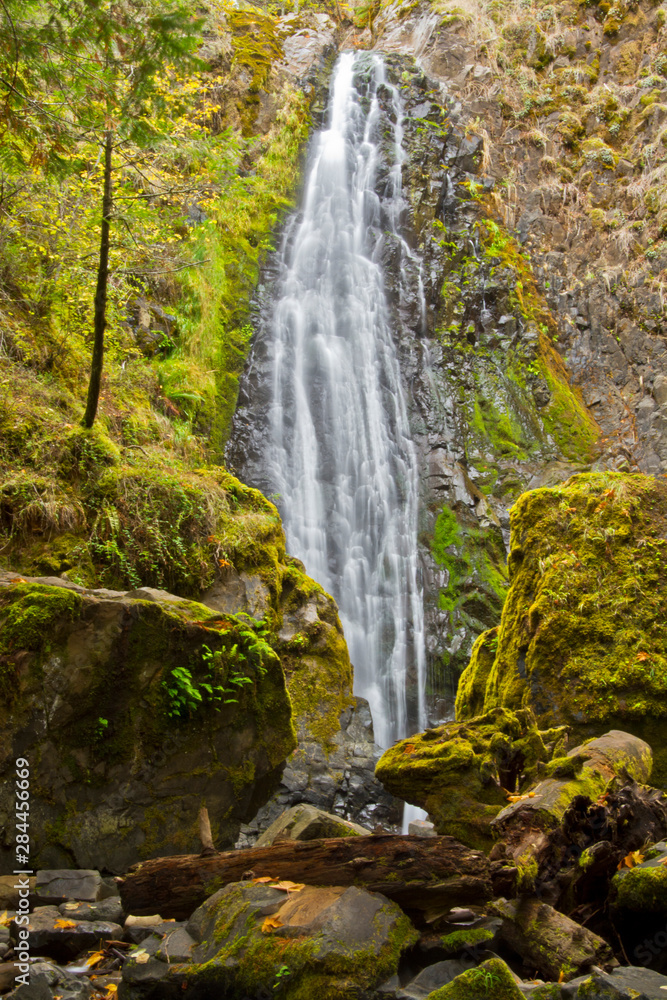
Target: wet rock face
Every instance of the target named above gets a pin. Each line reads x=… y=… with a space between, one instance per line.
x=339 y=779
x=568 y=173
x=121 y=752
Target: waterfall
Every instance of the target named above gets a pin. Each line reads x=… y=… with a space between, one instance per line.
x=340 y=454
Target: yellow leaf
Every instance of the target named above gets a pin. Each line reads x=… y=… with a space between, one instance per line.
x=5 y=921
x=112 y=989
x=271 y=923
x=630 y=860
x=95 y=958
x=62 y=925
x=561 y=978
x=289 y=886
x=264 y=878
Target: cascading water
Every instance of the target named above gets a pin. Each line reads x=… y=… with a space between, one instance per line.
x=340 y=456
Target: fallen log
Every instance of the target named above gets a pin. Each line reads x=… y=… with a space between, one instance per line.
x=417 y=873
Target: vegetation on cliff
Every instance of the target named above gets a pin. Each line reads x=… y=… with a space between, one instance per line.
x=129 y=502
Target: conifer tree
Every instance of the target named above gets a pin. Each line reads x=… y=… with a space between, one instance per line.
x=74 y=70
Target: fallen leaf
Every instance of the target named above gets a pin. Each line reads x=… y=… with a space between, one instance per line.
x=95 y=958
x=289 y=886
x=62 y=925
x=641 y=657
x=112 y=989
x=5 y=921
x=561 y=978
x=531 y=795
x=410 y=748
x=140 y=957
x=271 y=923
x=631 y=859
x=264 y=878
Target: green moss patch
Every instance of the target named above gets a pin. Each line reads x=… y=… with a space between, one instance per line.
x=582 y=637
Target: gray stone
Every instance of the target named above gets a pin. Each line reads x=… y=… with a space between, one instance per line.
x=432 y=978
x=138 y=933
x=660 y=389
x=625 y=983
x=305 y=822
x=61 y=884
x=421 y=828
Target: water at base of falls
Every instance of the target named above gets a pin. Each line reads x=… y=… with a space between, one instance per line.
x=341 y=457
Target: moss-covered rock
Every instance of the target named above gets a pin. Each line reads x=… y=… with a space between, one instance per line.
x=461 y=773
x=330 y=942
x=134 y=710
x=492 y=980
x=582 y=639
x=588 y=771
x=642 y=890
x=548 y=940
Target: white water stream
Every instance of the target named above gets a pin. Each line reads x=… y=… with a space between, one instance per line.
x=341 y=457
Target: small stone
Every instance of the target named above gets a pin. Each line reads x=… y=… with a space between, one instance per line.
x=459 y=915
x=432 y=978
x=421 y=828
x=660 y=389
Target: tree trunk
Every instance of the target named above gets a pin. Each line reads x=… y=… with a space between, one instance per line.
x=101 y=292
x=418 y=873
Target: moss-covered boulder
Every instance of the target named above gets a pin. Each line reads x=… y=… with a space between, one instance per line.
x=587 y=770
x=492 y=980
x=332 y=943
x=583 y=639
x=549 y=941
x=462 y=772
x=133 y=710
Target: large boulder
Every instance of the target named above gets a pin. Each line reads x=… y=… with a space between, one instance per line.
x=133 y=710
x=582 y=638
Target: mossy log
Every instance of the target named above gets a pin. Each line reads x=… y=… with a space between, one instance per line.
x=417 y=873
